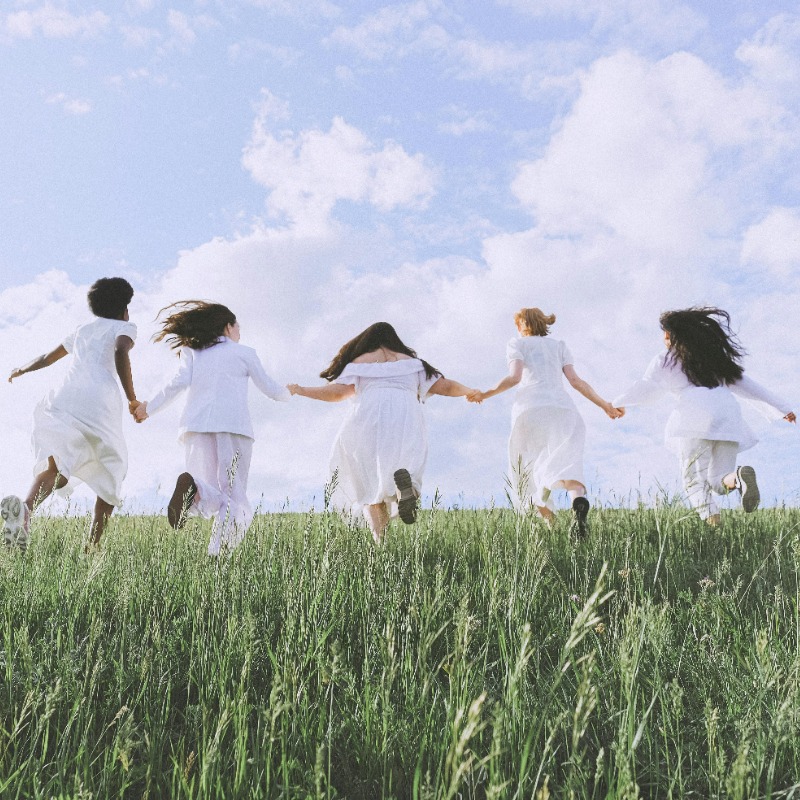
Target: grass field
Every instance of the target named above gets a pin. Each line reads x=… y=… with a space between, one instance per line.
x=475 y=655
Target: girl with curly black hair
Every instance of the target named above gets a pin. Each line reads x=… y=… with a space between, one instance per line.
x=77 y=430
x=702 y=367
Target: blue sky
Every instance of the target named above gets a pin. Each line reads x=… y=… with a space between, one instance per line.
x=439 y=164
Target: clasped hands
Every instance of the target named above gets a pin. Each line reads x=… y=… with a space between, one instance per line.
x=138 y=410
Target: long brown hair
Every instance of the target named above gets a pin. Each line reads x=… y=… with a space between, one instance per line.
x=196 y=323
x=702 y=342
x=379 y=334
x=534 y=321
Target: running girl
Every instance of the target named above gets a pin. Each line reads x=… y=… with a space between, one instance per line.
x=215 y=426
x=701 y=367
x=545 y=448
x=77 y=430
x=380 y=452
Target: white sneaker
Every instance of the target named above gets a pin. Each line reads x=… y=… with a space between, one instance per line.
x=15 y=522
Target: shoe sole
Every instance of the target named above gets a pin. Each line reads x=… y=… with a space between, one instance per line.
x=748 y=486
x=13 y=515
x=580 y=508
x=406 y=497
x=181 y=500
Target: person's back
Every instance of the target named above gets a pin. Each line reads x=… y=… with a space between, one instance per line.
x=542 y=383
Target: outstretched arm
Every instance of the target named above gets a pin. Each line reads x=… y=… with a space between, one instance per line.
x=122 y=361
x=582 y=387
x=331 y=393
x=514 y=376
x=447 y=388
x=41 y=362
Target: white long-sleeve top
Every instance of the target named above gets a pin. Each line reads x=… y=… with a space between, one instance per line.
x=217 y=382
x=702 y=413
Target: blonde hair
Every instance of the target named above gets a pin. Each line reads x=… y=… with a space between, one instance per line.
x=534 y=321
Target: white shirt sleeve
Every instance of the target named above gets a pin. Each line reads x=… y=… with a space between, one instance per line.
x=566 y=355
x=651 y=387
x=127 y=329
x=769 y=404
x=514 y=351
x=268 y=386
x=180 y=382
x=69 y=343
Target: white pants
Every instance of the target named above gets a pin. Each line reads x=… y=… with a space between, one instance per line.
x=220 y=465
x=704 y=463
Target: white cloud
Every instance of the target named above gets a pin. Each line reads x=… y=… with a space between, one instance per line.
x=307 y=173
x=304 y=9
x=462 y=122
x=54 y=23
x=773 y=53
x=773 y=244
x=71 y=105
x=644 y=152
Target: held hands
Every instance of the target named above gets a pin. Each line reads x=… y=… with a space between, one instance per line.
x=294 y=388
x=138 y=410
x=612 y=412
x=475 y=396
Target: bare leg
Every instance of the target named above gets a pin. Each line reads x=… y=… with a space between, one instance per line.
x=574 y=488
x=547 y=515
x=44 y=484
x=378 y=518
x=102 y=511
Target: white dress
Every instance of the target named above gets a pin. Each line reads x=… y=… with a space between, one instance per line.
x=384 y=430
x=547 y=432
x=80 y=424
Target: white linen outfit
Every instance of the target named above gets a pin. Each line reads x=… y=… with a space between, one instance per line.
x=80 y=424
x=217 y=432
x=384 y=430
x=547 y=432
x=706 y=429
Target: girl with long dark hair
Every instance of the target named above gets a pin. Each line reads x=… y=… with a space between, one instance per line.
x=545 y=447
x=215 y=426
x=77 y=429
x=380 y=452
x=702 y=368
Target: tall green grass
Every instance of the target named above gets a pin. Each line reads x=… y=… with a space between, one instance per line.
x=476 y=655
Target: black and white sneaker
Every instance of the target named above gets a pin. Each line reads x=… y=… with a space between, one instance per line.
x=406 y=496
x=580 y=511
x=181 y=500
x=15 y=524
x=747 y=485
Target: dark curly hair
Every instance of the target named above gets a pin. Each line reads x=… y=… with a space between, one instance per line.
x=109 y=297
x=702 y=342
x=195 y=323
x=379 y=334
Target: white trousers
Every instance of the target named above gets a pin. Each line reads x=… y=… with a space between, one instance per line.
x=220 y=466
x=704 y=463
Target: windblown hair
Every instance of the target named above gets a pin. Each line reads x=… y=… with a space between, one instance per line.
x=109 y=297
x=534 y=321
x=194 y=323
x=379 y=334
x=702 y=342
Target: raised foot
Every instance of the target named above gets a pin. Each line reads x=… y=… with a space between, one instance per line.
x=407 y=496
x=181 y=500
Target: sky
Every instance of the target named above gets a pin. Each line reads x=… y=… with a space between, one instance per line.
x=438 y=164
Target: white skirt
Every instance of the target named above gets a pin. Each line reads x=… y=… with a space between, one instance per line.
x=545 y=447
x=87 y=444
x=385 y=431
